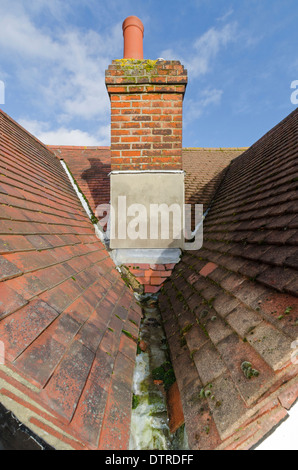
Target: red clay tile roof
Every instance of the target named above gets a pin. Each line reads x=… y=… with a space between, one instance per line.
x=90 y=166
x=63 y=306
x=231 y=308
x=204 y=171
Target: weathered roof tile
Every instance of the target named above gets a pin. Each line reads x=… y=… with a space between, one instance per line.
x=208 y=363
x=59 y=291
x=10 y=300
x=245 y=289
x=8 y=270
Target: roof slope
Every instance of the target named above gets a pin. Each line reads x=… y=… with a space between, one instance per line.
x=231 y=308
x=204 y=171
x=90 y=167
x=63 y=306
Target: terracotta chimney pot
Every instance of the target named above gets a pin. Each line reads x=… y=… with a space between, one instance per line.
x=133 y=32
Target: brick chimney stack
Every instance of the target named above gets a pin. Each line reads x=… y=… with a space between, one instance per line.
x=146 y=107
x=146 y=147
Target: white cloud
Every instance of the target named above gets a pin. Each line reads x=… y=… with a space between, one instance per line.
x=19 y=36
x=64 y=136
x=224 y=17
x=63 y=70
x=204 y=50
x=208 y=46
x=194 y=108
x=199 y=61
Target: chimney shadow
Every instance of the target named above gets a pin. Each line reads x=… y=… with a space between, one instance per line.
x=98 y=182
x=207 y=196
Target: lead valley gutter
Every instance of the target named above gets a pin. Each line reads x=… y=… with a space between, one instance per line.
x=84 y=203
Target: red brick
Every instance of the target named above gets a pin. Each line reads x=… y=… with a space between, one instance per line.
x=129 y=97
x=120 y=160
x=157 y=267
x=137 y=89
x=117 y=132
x=143 y=280
x=121 y=105
x=156 y=281
x=121 y=119
x=162 y=160
x=130 y=125
x=159 y=273
x=117 y=89
x=152 y=289
x=170 y=266
x=130 y=139
x=129 y=111
x=131 y=153
x=136 y=267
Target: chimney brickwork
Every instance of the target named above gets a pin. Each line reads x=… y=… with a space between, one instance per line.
x=146 y=134
x=146 y=114
x=151 y=276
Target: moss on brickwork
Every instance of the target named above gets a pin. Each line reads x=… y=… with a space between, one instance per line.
x=129 y=65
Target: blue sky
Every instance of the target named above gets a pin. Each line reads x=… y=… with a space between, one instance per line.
x=241 y=58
